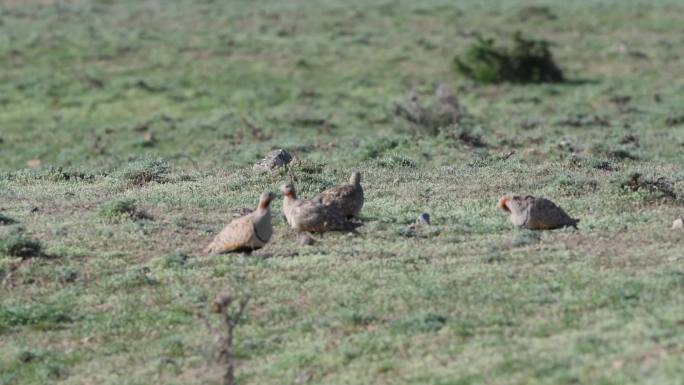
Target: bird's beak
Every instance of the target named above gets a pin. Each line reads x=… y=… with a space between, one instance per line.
x=503 y=204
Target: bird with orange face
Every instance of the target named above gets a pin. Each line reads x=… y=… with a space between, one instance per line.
x=533 y=213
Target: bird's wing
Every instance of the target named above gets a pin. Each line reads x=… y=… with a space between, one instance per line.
x=237 y=234
x=314 y=216
x=548 y=215
x=335 y=195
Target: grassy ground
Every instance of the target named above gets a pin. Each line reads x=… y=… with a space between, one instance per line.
x=146 y=117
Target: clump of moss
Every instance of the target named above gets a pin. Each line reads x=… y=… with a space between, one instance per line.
x=20 y=246
x=121 y=209
x=526 y=61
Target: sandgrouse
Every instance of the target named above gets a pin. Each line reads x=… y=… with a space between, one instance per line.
x=311 y=215
x=535 y=213
x=347 y=198
x=247 y=233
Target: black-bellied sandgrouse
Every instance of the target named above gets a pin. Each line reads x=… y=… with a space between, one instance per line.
x=535 y=213
x=247 y=233
x=311 y=215
x=347 y=198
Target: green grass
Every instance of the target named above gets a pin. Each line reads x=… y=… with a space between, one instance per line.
x=147 y=118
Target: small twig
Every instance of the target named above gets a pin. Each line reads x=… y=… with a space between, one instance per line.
x=231 y=318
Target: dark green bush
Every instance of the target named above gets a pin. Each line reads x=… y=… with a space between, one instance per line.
x=18 y=245
x=527 y=61
x=5 y=220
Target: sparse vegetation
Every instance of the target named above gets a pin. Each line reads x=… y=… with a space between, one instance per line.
x=112 y=108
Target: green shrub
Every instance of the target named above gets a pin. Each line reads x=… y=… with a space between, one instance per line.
x=5 y=220
x=18 y=245
x=141 y=172
x=121 y=209
x=174 y=260
x=527 y=61
x=37 y=315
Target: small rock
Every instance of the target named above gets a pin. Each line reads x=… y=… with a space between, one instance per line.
x=33 y=163
x=273 y=160
x=678 y=223
x=423 y=219
x=306 y=240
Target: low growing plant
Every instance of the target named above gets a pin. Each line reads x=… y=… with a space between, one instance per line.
x=526 y=61
x=20 y=246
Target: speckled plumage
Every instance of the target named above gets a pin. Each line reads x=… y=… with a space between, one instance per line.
x=247 y=233
x=311 y=215
x=535 y=213
x=347 y=198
